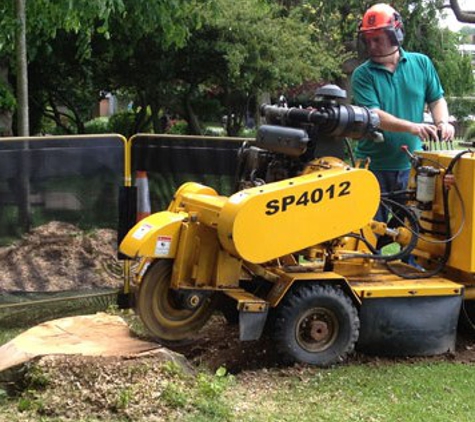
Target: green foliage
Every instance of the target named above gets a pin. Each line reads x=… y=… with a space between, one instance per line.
x=461 y=107
x=8 y=333
x=208 y=397
x=61 y=39
x=7 y=99
x=37 y=379
x=264 y=50
x=45 y=18
x=178 y=127
x=173 y=369
x=25 y=404
x=97 y=125
x=174 y=395
x=470 y=133
x=247 y=47
x=123 y=398
x=202 y=396
x=214 y=131
x=424 y=35
x=339 y=27
x=455 y=71
x=200 y=59
x=3 y=396
x=123 y=123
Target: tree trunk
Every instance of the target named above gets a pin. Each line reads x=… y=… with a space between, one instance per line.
x=22 y=113
x=22 y=70
x=194 y=127
x=262 y=98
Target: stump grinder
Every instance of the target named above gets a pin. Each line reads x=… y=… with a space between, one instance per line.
x=296 y=253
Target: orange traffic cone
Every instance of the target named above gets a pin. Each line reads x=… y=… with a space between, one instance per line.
x=143 y=195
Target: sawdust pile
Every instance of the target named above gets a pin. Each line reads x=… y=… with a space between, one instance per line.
x=59 y=256
x=78 y=387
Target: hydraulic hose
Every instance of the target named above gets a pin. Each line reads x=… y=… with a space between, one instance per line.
x=448 y=231
x=403 y=252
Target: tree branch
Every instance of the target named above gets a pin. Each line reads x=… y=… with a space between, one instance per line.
x=463 y=16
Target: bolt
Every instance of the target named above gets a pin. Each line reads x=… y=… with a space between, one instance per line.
x=194 y=301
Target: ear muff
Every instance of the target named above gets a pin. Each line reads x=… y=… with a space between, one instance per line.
x=398 y=28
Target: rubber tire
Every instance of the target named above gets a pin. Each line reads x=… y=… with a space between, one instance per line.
x=310 y=297
x=162 y=317
x=467 y=318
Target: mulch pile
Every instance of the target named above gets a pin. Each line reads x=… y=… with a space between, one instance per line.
x=59 y=256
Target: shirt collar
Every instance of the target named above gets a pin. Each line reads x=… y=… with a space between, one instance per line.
x=402 y=58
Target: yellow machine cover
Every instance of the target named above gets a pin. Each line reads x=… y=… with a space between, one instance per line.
x=266 y=222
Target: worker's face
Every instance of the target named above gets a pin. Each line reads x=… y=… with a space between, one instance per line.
x=378 y=44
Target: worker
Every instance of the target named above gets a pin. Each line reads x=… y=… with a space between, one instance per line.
x=397 y=85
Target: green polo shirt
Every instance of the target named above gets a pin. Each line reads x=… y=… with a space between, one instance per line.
x=402 y=93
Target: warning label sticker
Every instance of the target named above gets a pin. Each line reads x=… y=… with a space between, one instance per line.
x=162 y=248
x=142 y=231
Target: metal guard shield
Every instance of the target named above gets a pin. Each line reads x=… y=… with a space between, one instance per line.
x=154 y=236
x=267 y=222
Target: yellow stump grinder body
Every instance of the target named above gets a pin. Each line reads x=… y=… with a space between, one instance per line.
x=303 y=258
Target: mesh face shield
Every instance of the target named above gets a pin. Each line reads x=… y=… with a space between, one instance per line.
x=365 y=37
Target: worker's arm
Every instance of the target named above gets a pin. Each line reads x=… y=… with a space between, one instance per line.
x=394 y=124
x=440 y=114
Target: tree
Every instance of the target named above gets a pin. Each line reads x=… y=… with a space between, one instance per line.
x=80 y=20
x=424 y=35
x=41 y=19
x=237 y=49
x=253 y=47
x=62 y=86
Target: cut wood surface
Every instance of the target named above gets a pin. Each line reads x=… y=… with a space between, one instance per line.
x=89 y=335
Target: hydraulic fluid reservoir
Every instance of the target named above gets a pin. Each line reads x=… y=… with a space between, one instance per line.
x=425 y=192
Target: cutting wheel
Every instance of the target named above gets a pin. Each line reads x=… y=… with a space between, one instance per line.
x=161 y=311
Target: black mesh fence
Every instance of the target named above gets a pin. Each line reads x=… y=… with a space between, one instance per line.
x=58 y=220
x=171 y=161
x=73 y=180
x=59 y=213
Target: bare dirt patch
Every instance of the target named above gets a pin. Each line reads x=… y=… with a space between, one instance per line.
x=218 y=345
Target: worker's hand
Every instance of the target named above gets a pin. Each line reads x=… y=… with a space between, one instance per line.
x=424 y=131
x=447 y=131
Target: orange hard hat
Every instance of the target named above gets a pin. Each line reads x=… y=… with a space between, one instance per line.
x=382 y=16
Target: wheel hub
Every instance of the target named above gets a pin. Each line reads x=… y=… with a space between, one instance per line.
x=317 y=329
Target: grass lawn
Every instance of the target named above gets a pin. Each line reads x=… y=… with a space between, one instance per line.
x=7 y=334
x=390 y=392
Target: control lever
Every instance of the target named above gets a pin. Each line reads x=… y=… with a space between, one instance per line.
x=415 y=161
